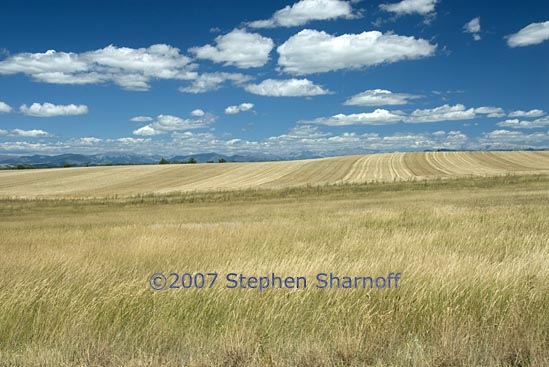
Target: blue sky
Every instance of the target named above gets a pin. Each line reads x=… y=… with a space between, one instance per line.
x=279 y=77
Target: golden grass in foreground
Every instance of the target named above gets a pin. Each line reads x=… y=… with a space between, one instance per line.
x=391 y=167
x=474 y=256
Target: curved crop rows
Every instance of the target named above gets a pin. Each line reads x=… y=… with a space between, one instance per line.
x=131 y=180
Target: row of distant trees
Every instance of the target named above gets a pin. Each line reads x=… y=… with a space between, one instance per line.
x=190 y=161
x=65 y=165
x=162 y=161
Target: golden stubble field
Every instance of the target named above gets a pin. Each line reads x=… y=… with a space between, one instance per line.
x=473 y=253
x=390 y=167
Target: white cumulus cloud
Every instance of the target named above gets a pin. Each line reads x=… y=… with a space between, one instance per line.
x=385 y=117
x=286 y=88
x=379 y=97
x=490 y=111
x=473 y=27
x=452 y=113
x=50 y=110
x=29 y=133
x=141 y=119
x=208 y=82
x=406 y=7
x=167 y=123
x=5 y=108
x=198 y=112
x=132 y=141
x=531 y=113
x=311 y=51
x=442 y=113
x=532 y=34
x=378 y=117
x=232 y=110
x=306 y=11
x=89 y=140
x=519 y=124
x=147 y=131
x=238 y=48
x=130 y=68
x=505 y=139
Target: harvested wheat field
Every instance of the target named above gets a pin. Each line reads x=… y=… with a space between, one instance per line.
x=390 y=167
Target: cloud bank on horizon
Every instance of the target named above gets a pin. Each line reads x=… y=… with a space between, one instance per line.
x=322 y=76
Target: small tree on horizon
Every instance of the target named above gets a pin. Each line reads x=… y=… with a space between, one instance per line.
x=191 y=160
x=221 y=160
x=164 y=161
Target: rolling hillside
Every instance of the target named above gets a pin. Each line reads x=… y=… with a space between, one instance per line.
x=131 y=180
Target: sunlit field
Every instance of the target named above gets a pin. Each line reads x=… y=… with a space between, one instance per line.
x=92 y=182
x=473 y=254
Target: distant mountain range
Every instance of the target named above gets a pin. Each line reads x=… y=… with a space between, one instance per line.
x=115 y=158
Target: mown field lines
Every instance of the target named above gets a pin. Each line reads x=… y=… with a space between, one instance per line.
x=388 y=167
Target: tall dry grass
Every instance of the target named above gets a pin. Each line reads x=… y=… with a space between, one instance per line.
x=474 y=258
